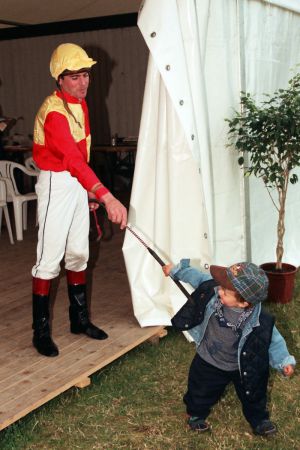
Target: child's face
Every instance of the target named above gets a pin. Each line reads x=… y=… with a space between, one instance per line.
x=231 y=298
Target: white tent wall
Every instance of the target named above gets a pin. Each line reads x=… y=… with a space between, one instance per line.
x=291 y=5
x=188 y=196
x=271 y=54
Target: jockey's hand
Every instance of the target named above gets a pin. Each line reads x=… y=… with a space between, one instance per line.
x=93 y=205
x=116 y=212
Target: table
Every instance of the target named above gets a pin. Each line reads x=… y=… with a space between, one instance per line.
x=119 y=160
x=17 y=153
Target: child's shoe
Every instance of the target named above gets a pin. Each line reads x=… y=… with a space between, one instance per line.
x=197 y=424
x=265 y=428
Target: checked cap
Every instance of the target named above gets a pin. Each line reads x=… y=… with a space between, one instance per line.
x=249 y=280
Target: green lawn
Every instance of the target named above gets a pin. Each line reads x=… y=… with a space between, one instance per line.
x=136 y=403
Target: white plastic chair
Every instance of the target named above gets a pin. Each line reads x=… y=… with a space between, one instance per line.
x=30 y=164
x=3 y=207
x=7 y=169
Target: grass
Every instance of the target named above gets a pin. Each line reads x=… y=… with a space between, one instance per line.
x=136 y=403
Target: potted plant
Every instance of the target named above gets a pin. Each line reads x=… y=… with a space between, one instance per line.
x=267 y=138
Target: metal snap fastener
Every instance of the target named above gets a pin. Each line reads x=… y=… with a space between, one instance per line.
x=193 y=137
x=181 y=102
x=168 y=67
x=153 y=34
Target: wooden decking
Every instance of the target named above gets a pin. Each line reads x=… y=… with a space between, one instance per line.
x=27 y=379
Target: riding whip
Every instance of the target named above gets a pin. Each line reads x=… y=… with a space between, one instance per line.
x=161 y=262
x=98 y=228
x=150 y=250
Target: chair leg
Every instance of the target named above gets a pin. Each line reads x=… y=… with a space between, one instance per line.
x=36 y=216
x=24 y=208
x=1 y=218
x=7 y=219
x=18 y=220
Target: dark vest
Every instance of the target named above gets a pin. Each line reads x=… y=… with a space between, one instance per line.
x=254 y=360
x=192 y=312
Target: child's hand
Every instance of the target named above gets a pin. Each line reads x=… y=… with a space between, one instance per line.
x=288 y=370
x=167 y=269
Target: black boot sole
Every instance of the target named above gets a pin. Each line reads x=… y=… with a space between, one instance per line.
x=49 y=351
x=98 y=334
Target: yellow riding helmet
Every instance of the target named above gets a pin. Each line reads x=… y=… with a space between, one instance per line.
x=69 y=57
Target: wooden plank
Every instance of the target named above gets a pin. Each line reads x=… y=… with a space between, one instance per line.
x=84 y=382
x=57 y=379
x=155 y=339
x=29 y=380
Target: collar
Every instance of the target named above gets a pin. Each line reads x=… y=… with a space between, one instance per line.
x=69 y=98
x=256 y=314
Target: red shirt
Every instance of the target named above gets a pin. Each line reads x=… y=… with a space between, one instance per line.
x=62 y=139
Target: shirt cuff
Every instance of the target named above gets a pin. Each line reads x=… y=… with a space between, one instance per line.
x=183 y=264
x=102 y=190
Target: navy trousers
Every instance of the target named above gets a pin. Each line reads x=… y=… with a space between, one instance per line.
x=207 y=383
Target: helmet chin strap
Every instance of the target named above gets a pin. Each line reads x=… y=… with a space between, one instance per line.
x=66 y=106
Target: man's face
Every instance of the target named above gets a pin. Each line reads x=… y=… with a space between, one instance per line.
x=75 y=84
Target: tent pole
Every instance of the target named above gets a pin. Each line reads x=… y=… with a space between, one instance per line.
x=244 y=181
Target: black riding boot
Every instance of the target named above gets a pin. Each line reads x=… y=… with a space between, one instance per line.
x=78 y=310
x=42 y=340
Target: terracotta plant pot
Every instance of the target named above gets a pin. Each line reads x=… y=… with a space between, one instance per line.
x=281 y=284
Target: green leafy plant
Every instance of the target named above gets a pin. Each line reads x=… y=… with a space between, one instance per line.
x=267 y=138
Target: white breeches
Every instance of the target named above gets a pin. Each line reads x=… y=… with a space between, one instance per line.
x=64 y=221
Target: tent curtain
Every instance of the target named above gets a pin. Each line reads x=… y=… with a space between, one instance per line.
x=188 y=197
x=166 y=187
